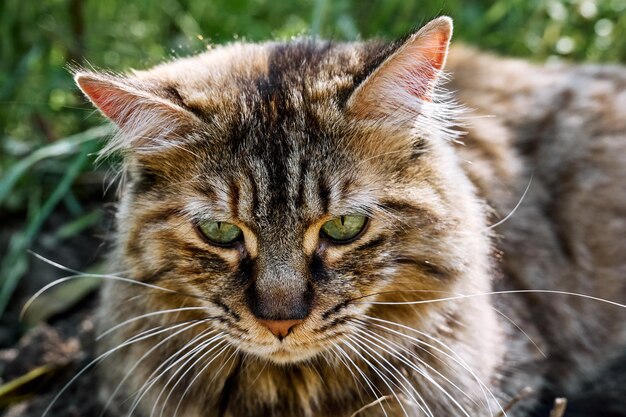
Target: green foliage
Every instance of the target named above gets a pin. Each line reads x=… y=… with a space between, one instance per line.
x=39 y=104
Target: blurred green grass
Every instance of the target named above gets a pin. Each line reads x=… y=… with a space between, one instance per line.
x=49 y=133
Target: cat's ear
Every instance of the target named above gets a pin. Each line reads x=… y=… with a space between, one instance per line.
x=399 y=87
x=145 y=119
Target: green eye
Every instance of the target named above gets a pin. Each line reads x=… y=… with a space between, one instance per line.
x=344 y=228
x=220 y=233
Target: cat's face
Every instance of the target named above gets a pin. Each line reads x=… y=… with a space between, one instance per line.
x=284 y=184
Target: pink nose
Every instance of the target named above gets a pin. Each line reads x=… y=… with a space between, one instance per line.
x=279 y=328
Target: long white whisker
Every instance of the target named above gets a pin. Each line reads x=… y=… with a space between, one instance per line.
x=79 y=274
x=510 y=320
x=367 y=380
x=156 y=330
x=354 y=377
x=95 y=361
x=171 y=358
x=427 y=351
x=377 y=342
x=151 y=314
x=197 y=351
x=377 y=338
x=372 y=404
x=178 y=356
x=145 y=355
x=465 y=296
x=420 y=402
x=383 y=377
x=519 y=203
x=458 y=360
x=152 y=379
x=204 y=367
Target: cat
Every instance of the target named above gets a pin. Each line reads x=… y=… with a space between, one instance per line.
x=320 y=228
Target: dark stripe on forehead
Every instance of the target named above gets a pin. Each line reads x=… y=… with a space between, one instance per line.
x=254 y=193
x=324 y=194
x=233 y=195
x=345 y=186
x=278 y=170
x=300 y=197
x=373 y=54
x=171 y=92
x=206 y=188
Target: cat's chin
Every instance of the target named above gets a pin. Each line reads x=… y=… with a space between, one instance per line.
x=284 y=354
x=284 y=357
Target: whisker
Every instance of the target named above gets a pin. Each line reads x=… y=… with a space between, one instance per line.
x=152 y=379
x=383 y=378
x=168 y=360
x=458 y=360
x=193 y=353
x=367 y=380
x=144 y=356
x=79 y=274
x=167 y=363
x=510 y=320
x=519 y=203
x=372 y=404
x=96 y=361
x=259 y=374
x=394 y=353
x=462 y=363
x=154 y=313
x=157 y=330
x=204 y=367
x=391 y=344
x=465 y=296
x=420 y=402
x=354 y=377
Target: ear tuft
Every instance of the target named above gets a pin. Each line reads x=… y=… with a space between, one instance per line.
x=120 y=99
x=146 y=120
x=108 y=94
x=398 y=88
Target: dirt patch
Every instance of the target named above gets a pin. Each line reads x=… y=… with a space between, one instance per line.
x=45 y=359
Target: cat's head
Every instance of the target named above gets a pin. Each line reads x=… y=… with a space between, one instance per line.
x=284 y=184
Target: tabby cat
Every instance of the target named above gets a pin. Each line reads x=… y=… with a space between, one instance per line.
x=321 y=228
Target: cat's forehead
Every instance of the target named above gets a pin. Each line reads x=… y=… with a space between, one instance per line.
x=242 y=76
x=275 y=106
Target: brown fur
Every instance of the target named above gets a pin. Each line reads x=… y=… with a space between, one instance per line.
x=279 y=138
x=565 y=126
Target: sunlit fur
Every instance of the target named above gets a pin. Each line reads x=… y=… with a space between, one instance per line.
x=278 y=138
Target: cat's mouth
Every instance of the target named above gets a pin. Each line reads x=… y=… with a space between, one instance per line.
x=290 y=349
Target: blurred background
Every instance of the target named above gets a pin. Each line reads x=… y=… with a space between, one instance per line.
x=55 y=202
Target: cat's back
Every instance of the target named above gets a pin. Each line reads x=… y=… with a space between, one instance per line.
x=561 y=128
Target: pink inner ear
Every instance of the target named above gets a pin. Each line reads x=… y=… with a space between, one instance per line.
x=109 y=99
x=417 y=80
x=420 y=63
x=409 y=74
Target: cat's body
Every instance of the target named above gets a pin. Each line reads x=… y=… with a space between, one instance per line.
x=564 y=127
x=280 y=138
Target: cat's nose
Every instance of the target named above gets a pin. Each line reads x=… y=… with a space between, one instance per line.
x=279 y=328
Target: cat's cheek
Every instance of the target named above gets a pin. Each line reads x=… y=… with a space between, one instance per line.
x=250 y=246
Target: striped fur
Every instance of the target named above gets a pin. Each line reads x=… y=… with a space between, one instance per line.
x=278 y=138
